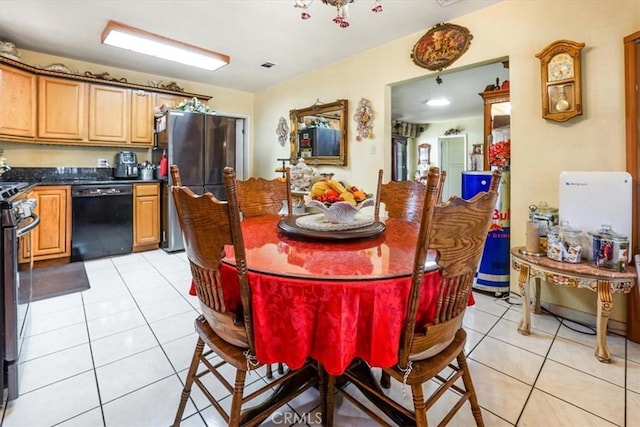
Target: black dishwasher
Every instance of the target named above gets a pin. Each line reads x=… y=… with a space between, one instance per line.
x=102 y=223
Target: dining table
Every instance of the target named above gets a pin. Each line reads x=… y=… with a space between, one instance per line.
x=337 y=298
x=331 y=299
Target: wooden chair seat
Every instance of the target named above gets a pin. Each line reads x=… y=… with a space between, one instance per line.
x=427 y=368
x=231 y=354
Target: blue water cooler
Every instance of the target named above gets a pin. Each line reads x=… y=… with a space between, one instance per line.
x=494 y=268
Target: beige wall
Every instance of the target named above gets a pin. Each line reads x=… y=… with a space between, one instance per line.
x=222 y=100
x=517 y=29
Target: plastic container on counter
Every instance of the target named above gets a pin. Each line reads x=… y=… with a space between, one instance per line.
x=610 y=249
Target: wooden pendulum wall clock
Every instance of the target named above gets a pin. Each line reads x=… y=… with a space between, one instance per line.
x=560 y=67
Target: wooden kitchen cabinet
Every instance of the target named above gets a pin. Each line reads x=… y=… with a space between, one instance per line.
x=62 y=109
x=51 y=107
x=142 y=110
x=18 y=99
x=146 y=216
x=52 y=238
x=109 y=113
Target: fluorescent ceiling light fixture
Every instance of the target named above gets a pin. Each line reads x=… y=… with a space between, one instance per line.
x=130 y=38
x=437 y=102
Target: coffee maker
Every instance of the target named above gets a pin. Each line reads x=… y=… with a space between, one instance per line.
x=126 y=165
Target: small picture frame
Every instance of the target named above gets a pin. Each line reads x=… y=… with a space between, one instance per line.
x=441 y=46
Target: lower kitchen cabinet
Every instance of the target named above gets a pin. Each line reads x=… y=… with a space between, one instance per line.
x=52 y=238
x=146 y=216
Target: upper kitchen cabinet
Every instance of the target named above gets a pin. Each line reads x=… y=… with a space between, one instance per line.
x=52 y=107
x=109 y=112
x=142 y=117
x=62 y=108
x=17 y=102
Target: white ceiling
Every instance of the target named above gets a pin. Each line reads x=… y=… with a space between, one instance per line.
x=251 y=32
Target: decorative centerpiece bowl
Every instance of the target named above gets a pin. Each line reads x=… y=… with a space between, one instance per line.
x=338 y=212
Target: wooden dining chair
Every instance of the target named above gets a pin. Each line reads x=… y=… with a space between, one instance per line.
x=207 y=226
x=456 y=230
x=259 y=196
x=402 y=199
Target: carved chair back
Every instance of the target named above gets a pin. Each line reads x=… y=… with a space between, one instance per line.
x=259 y=196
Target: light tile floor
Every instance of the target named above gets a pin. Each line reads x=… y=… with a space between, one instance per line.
x=117 y=354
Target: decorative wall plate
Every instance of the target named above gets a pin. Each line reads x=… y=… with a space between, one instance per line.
x=282 y=131
x=441 y=46
x=364 y=118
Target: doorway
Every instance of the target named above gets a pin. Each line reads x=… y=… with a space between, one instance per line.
x=399 y=158
x=465 y=111
x=453 y=159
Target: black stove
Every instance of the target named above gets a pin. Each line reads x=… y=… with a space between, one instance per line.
x=17 y=220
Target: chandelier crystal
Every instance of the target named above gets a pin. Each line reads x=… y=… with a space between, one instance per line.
x=342 y=8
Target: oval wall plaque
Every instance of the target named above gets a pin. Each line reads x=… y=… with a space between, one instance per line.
x=441 y=46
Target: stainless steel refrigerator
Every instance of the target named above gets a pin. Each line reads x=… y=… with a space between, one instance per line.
x=201 y=145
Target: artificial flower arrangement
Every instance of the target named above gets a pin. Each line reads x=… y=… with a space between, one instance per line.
x=194 y=105
x=500 y=153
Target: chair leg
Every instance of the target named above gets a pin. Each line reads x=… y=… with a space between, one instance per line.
x=236 y=398
x=186 y=391
x=385 y=380
x=468 y=385
x=419 y=405
x=269 y=371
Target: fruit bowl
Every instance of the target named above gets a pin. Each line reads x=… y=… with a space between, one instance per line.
x=338 y=212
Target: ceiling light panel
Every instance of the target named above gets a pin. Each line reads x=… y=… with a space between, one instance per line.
x=136 y=40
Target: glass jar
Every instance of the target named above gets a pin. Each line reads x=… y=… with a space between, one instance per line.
x=572 y=243
x=564 y=243
x=547 y=217
x=553 y=242
x=301 y=175
x=610 y=249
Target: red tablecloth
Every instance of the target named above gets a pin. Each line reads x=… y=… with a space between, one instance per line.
x=332 y=322
x=329 y=300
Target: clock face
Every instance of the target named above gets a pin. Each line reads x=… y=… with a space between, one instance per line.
x=560 y=67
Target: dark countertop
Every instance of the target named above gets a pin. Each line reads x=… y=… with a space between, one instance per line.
x=95 y=182
x=68 y=176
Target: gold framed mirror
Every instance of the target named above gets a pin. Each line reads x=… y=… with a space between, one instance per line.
x=319 y=134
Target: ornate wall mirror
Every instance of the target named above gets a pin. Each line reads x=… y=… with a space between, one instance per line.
x=319 y=134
